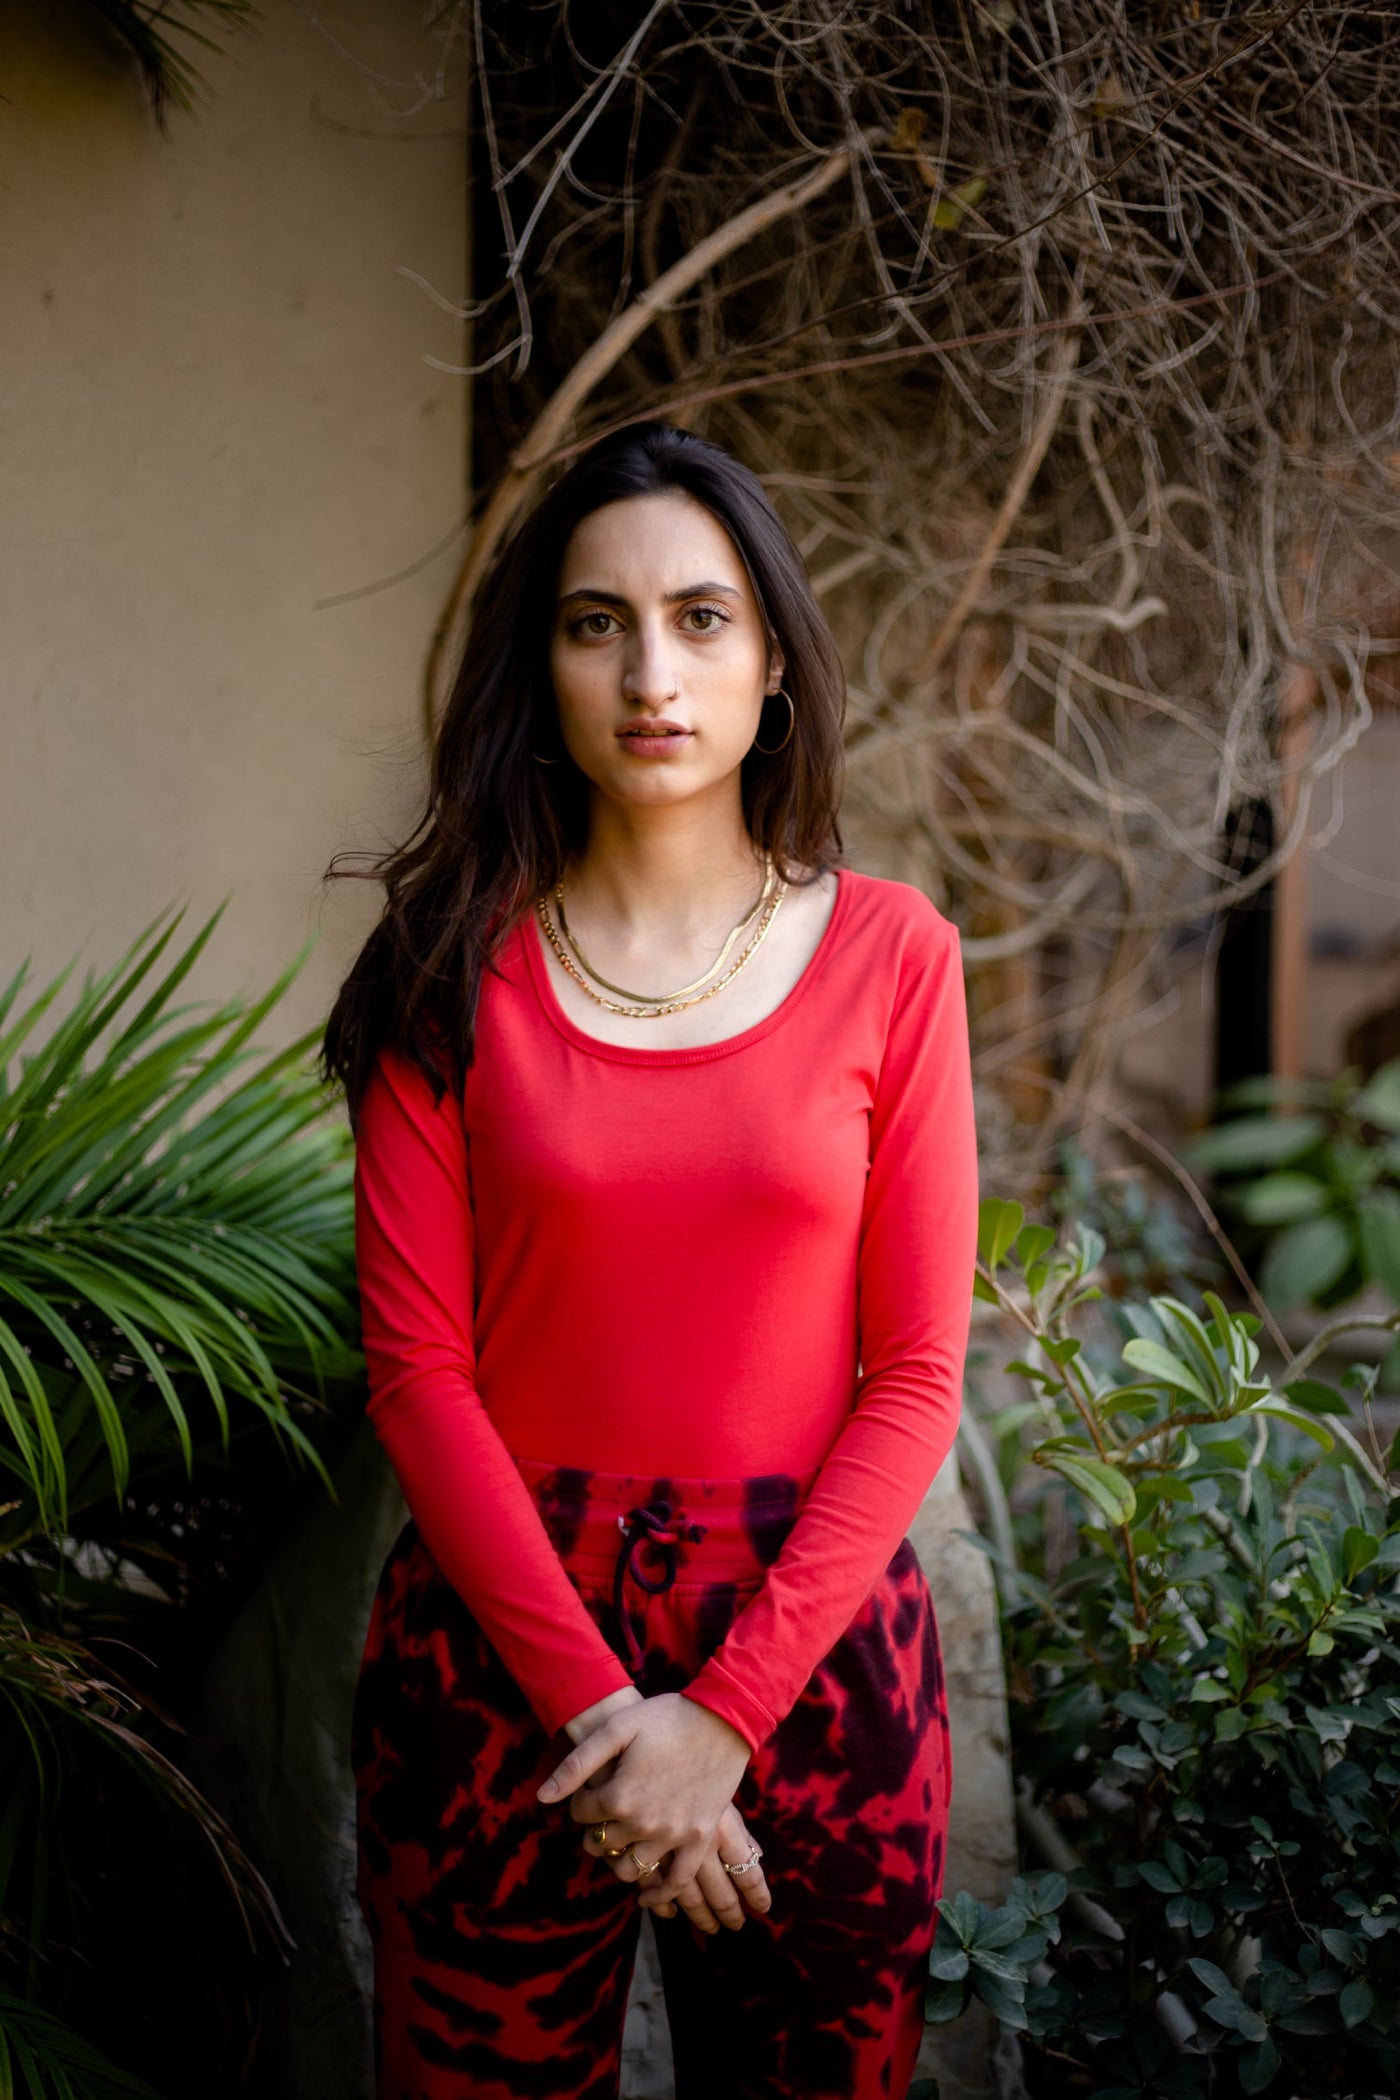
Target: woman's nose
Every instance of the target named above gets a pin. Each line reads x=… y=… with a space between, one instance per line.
x=649 y=669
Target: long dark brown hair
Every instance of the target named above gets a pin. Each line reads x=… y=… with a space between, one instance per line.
x=498 y=827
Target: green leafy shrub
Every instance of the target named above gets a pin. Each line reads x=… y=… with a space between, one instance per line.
x=1315 y=1193
x=1147 y=1247
x=1205 y=1703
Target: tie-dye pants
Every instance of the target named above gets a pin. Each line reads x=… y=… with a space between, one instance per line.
x=503 y=1951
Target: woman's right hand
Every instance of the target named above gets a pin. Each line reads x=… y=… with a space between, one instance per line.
x=716 y=1898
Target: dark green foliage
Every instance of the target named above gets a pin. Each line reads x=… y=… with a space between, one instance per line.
x=40 y=2058
x=176 y=1319
x=1315 y=1193
x=1206 y=1703
x=1146 y=1246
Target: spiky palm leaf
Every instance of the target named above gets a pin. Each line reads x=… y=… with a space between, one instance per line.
x=152 y=31
x=175 y=1232
x=41 y=2059
x=171 y=1226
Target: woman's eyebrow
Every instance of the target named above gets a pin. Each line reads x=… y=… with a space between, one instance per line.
x=689 y=590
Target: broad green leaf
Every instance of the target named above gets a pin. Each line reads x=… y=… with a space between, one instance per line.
x=1032 y=1241
x=1258 y=2065
x=948 y=1964
x=1006 y=1999
x=1161 y=1487
x=1379 y=1100
x=1186 y=1334
x=1304 y=1261
x=1315 y=1398
x=1161 y=1364
x=1255 y=1143
x=1266 y=1090
x=998 y=1223
x=1040 y=1895
x=1380 y=1239
x=1331 y=1724
x=1356 y=2002
x=1138 y=1707
x=942 y=2002
x=1344 y=1781
x=1279 y=1199
x=1297 y=1420
x=1359 y=1549
x=1101 y=1484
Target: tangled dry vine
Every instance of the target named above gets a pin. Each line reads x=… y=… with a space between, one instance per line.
x=1064 y=333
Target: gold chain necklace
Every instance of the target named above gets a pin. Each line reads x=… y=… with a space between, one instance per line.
x=774 y=890
x=646 y=998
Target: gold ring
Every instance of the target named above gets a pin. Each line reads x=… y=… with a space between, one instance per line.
x=600 y=1832
x=643 y=1866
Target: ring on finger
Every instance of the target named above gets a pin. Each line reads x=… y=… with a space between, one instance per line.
x=643 y=1866
x=755 y=1854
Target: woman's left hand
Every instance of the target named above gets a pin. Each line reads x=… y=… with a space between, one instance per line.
x=678 y=1766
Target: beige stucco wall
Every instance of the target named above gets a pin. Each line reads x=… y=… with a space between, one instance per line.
x=216 y=412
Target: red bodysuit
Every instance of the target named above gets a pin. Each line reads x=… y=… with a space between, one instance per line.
x=750 y=1257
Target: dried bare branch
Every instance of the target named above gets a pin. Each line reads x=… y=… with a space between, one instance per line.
x=1081 y=396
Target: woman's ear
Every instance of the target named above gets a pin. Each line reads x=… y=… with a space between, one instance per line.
x=776 y=668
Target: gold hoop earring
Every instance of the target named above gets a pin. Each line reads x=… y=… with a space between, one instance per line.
x=543 y=761
x=792 y=724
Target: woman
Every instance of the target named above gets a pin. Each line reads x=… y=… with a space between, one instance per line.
x=665 y=1296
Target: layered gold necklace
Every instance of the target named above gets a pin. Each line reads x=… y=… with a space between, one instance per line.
x=643 y=1005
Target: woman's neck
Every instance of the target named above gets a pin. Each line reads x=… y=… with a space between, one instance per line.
x=642 y=891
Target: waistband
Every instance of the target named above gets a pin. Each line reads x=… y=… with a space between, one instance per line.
x=700 y=1529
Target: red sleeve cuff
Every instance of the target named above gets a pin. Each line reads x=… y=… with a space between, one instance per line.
x=572 y=1694
x=712 y=1686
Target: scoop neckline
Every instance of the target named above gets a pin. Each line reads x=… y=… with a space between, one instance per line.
x=675 y=1053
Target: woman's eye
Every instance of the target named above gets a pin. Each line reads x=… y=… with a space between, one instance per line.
x=712 y=615
x=590 y=623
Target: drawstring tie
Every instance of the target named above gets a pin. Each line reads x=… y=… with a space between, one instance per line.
x=665 y=1527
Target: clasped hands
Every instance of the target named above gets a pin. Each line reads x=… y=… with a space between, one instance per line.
x=663 y=1772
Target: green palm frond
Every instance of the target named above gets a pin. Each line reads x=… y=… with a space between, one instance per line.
x=156 y=33
x=175 y=1228
x=42 y=2059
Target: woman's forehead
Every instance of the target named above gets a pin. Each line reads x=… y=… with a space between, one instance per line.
x=653 y=541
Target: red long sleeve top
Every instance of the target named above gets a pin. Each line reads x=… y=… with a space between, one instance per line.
x=754 y=1256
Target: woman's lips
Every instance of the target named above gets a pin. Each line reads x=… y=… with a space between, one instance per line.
x=654 y=746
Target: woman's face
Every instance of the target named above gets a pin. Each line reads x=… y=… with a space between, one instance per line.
x=656 y=621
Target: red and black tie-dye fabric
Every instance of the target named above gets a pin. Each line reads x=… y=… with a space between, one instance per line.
x=503 y=1951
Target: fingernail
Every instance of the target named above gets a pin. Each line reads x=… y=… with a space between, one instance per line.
x=549 y=1790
